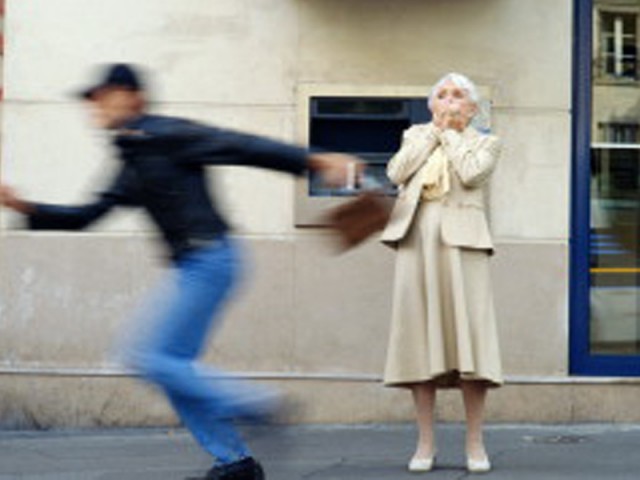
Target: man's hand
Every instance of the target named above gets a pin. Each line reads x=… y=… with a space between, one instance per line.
x=9 y=199
x=337 y=169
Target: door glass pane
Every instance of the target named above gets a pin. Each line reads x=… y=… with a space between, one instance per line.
x=615 y=191
x=629 y=23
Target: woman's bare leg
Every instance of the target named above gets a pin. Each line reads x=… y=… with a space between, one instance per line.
x=474 y=395
x=424 y=397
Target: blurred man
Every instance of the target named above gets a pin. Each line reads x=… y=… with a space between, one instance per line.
x=162 y=170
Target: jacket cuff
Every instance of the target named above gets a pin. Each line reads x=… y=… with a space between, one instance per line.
x=41 y=217
x=33 y=220
x=299 y=159
x=453 y=144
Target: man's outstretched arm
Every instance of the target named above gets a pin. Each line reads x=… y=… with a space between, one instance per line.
x=43 y=216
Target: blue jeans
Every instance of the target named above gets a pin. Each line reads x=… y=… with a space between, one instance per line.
x=171 y=332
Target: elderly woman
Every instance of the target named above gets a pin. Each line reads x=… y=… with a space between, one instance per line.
x=443 y=331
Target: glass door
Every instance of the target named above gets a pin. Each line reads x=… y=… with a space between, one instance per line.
x=606 y=281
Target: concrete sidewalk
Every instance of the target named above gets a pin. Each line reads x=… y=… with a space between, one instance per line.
x=326 y=452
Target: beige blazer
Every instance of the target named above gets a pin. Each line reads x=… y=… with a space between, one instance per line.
x=472 y=156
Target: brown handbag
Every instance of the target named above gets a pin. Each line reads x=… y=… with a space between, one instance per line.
x=359 y=218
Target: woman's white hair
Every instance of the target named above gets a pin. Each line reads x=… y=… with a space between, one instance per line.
x=458 y=80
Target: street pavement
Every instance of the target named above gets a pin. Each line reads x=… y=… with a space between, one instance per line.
x=330 y=452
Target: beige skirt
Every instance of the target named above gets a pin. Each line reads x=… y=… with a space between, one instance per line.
x=443 y=326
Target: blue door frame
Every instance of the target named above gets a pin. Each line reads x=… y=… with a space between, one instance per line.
x=582 y=361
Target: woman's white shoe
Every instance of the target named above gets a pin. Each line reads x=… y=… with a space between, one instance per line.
x=478 y=466
x=421 y=464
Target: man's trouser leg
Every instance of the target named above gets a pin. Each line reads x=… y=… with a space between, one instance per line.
x=175 y=325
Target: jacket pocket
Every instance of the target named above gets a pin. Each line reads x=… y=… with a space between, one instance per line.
x=466 y=227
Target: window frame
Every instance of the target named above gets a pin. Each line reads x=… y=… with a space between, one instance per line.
x=600 y=72
x=309 y=211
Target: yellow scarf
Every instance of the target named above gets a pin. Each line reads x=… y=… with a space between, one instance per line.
x=435 y=176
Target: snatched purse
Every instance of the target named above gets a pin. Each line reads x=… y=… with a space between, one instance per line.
x=359 y=218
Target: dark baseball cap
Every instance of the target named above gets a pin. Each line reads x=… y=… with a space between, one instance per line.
x=115 y=75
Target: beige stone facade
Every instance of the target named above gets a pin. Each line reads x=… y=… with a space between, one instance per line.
x=313 y=322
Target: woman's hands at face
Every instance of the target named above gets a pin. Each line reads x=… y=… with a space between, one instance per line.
x=452 y=119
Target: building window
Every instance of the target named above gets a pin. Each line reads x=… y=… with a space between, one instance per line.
x=369 y=127
x=618 y=132
x=618 y=45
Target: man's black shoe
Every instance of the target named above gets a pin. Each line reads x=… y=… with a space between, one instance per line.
x=245 y=469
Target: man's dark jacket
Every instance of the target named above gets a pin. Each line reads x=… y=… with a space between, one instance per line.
x=163 y=171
